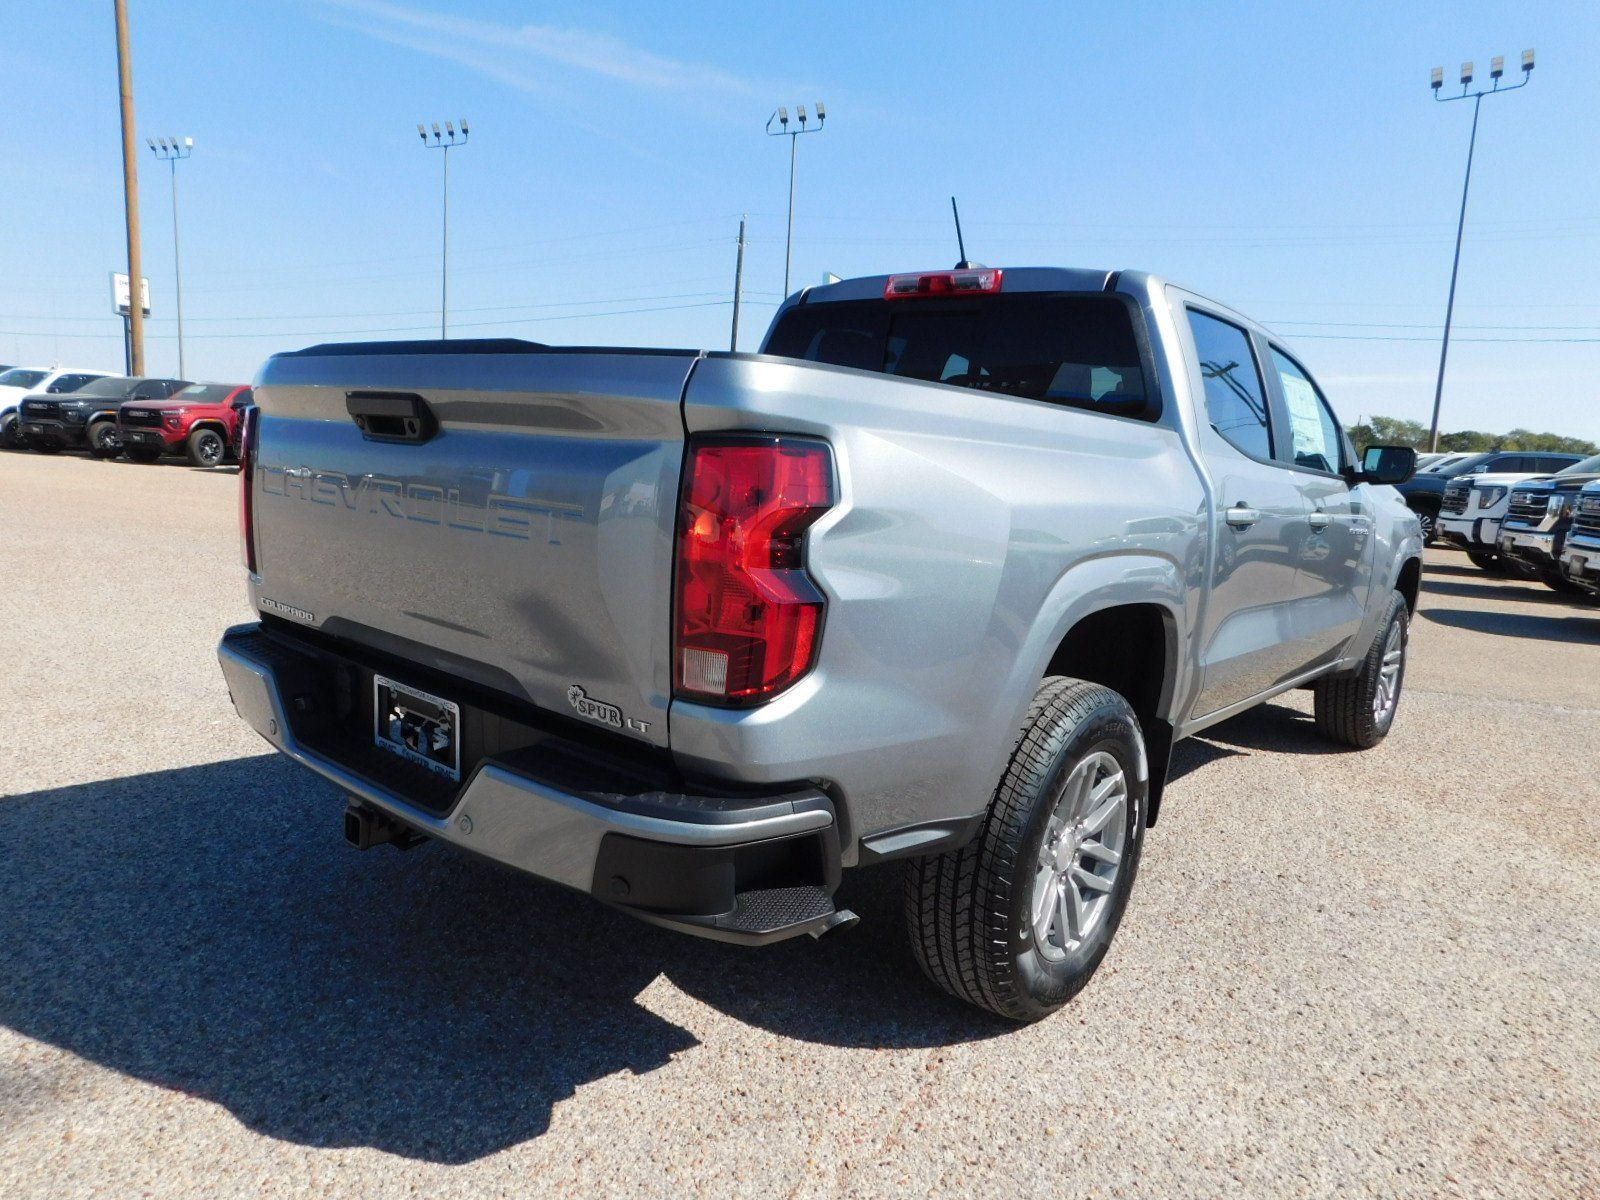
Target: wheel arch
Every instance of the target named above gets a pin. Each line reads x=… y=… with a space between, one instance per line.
x=1098 y=609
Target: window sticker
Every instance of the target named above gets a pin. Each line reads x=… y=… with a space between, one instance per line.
x=1305 y=415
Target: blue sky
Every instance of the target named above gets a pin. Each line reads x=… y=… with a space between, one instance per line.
x=1286 y=158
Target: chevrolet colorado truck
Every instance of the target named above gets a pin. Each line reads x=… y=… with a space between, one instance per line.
x=941 y=574
x=201 y=422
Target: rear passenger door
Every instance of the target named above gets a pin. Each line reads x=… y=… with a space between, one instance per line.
x=1247 y=634
x=1336 y=557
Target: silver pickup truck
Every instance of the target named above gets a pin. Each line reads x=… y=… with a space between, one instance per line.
x=939 y=575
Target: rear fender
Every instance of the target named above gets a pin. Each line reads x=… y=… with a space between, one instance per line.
x=1088 y=587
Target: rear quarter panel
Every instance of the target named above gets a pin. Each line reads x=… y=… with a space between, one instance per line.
x=972 y=531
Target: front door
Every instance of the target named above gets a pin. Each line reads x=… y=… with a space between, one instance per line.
x=1337 y=555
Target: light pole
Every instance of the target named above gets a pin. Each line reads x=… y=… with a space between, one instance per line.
x=446 y=142
x=172 y=151
x=781 y=116
x=130 y=191
x=1497 y=66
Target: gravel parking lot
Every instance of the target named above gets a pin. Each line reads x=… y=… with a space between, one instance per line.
x=1342 y=973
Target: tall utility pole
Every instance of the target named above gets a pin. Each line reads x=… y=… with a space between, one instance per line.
x=738 y=288
x=1497 y=67
x=172 y=151
x=440 y=143
x=130 y=193
x=781 y=116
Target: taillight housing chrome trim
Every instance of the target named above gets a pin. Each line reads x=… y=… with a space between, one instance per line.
x=249 y=419
x=965 y=281
x=746 y=616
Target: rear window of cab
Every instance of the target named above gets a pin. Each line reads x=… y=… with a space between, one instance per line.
x=1078 y=350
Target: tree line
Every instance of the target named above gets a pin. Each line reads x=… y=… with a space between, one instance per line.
x=1394 y=431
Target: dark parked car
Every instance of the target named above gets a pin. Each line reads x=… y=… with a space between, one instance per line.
x=88 y=416
x=1424 y=491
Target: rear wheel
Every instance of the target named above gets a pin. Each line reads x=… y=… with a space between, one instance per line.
x=143 y=454
x=205 y=448
x=1018 y=920
x=1358 y=708
x=102 y=439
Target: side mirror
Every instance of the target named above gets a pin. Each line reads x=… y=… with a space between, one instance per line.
x=1388 y=464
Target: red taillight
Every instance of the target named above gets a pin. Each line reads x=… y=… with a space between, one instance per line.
x=965 y=282
x=247 y=474
x=747 y=616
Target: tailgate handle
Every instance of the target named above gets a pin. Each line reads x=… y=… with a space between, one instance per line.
x=391 y=416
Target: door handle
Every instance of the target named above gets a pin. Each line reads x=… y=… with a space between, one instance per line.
x=1241 y=516
x=1319 y=520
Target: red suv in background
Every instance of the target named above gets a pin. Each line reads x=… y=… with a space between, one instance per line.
x=201 y=421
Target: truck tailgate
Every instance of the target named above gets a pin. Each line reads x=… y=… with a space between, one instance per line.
x=525 y=545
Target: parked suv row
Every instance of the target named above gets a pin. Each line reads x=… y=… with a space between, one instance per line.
x=1538 y=520
x=1424 y=492
x=109 y=415
x=1475 y=505
x=88 y=416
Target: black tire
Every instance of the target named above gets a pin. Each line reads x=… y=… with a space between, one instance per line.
x=1345 y=705
x=8 y=433
x=101 y=439
x=1487 y=560
x=206 y=448
x=141 y=454
x=969 y=912
x=1560 y=583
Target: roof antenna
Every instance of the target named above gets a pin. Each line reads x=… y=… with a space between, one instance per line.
x=961 y=246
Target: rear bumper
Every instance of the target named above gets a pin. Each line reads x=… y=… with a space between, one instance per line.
x=739 y=868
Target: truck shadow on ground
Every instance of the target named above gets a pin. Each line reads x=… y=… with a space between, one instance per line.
x=207 y=930
x=1581 y=627
x=1530 y=590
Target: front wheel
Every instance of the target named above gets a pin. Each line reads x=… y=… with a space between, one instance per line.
x=1018 y=920
x=102 y=439
x=1358 y=708
x=205 y=448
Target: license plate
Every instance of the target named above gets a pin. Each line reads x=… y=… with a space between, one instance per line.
x=418 y=726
